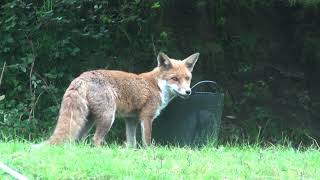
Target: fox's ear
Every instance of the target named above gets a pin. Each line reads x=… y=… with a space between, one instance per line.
x=191 y=61
x=164 y=61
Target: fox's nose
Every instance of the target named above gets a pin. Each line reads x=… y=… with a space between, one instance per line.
x=188 y=92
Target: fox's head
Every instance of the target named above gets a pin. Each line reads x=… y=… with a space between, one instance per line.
x=175 y=75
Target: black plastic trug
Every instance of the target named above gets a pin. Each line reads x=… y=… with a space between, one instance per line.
x=191 y=121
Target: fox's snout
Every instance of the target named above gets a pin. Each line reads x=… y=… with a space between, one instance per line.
x=188 y=92
x=184 y=93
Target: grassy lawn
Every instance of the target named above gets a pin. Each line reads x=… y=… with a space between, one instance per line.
x=115 y=162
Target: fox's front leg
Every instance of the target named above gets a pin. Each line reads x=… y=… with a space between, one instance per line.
x=131 y=126
x=146 y=127
x=146 y=131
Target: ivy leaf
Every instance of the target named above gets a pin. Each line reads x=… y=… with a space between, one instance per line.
x=23 y=68
x=156 y=5
x=2 y=97
x=75 y=51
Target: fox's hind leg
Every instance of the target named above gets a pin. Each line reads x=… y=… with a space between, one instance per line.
x=85 y=130
x=102 y=108
x=104 y=122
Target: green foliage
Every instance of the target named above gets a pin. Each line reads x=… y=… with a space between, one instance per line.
x=45 y=45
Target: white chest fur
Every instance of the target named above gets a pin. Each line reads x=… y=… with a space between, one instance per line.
x=165 y=94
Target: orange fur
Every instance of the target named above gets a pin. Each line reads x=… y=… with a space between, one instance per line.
x=96 y=96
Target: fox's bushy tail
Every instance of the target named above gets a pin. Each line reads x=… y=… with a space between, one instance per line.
x=73 y=113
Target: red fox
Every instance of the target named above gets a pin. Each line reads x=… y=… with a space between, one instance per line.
x=95 y=97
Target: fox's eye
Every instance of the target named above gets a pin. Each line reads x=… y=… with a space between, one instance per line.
x=175 y=79
x=187 y=78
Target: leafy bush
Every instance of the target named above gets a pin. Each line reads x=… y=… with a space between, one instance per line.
x=45 y=45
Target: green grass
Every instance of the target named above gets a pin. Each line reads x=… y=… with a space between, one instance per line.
x=115 y=162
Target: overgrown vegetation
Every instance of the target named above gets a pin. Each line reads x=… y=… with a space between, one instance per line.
x=263 y=53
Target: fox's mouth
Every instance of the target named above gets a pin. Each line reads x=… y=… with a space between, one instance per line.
x=183 y=96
